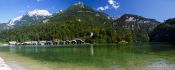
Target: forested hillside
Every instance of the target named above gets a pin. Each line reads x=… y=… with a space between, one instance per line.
x=81 y=21
x=136 y=27
x=164 y=32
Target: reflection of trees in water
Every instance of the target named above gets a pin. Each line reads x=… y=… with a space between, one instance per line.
x=125 y=56
x=92 y=50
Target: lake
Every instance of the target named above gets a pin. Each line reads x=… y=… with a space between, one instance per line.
x=90 y=57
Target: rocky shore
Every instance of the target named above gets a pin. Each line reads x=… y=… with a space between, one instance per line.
x=4 y=66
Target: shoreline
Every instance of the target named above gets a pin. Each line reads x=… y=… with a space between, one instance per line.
x=3 y=65
x=46 y=45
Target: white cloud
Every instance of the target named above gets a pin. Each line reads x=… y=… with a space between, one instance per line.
x=112 y=4
x=103 y=8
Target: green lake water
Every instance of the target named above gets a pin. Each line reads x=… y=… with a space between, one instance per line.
x=90 y=57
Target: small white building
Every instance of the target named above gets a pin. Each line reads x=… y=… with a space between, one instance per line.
x=34 y=42
x=12 y=42
x=79 y=41
x=42 y=42
x=49 y=43
x=27 y=43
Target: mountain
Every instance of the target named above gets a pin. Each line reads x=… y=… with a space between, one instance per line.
x=78 y=21
x=137 y=26
x=164 y=32
x=81 y=21
x=13 y=21
x=82 y=12
x=31 y=17
x=3 y=26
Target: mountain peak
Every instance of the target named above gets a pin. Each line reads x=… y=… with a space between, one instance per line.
x=38 y=13
x=30 y=16
x=12 y=21
x=60 y=11
x=136 y=18
x=170 y=21
x=79 y=3
x=79 y=7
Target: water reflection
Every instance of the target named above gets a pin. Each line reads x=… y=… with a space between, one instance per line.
x=127 y=57
x=12 y=49
x=92 y=50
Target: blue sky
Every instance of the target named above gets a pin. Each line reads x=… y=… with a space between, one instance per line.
x=156 y=9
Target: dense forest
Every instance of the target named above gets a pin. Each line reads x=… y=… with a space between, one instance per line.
x=165 y=32
x=81 y=21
